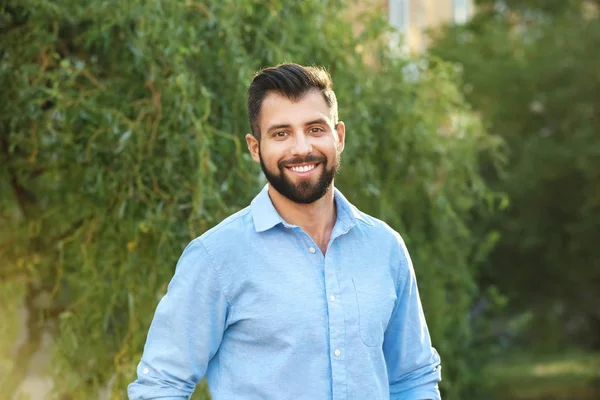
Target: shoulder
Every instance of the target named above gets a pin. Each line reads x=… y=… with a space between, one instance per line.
x=387 y=239
x=231 y=230
x=237 y=223
x=376 y=227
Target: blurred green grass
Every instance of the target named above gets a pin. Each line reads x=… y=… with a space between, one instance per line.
x=572 y=375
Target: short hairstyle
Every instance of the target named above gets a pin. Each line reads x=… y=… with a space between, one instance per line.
x=292 y=81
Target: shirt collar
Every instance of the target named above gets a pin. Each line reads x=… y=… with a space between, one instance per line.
x=265 y=216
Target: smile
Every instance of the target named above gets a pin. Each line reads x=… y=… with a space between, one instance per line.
x=303 y=168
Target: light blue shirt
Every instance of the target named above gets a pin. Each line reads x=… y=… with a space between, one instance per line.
x=258 y=309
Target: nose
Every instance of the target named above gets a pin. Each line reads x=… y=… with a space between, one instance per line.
x=302 y=145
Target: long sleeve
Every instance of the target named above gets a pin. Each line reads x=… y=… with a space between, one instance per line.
x=186 y=331
x=413 y=365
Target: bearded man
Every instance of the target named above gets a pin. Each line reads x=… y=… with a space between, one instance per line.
x=300 y=295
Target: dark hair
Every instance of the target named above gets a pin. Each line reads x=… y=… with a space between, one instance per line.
x=292 y=81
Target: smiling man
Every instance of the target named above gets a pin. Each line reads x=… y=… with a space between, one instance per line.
x=300 y=295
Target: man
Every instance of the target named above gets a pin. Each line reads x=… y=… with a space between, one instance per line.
x=299 y=295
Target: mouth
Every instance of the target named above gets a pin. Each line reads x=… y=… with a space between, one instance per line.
x=303 y=169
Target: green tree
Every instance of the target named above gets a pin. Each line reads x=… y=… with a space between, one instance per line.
x=122 y=129
x=530 y=69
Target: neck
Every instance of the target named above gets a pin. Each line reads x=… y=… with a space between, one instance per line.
x=316 y=219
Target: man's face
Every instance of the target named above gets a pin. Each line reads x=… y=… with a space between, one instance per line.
x=299 y=151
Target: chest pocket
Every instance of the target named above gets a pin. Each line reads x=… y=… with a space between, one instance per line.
x=375 y=307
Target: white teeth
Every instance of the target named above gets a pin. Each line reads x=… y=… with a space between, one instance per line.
x=303 y=168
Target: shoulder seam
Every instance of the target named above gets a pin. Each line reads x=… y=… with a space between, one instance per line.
x=217 y=272
x=404 y=269
x=222 y=225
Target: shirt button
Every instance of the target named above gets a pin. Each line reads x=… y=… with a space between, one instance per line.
x=337 y=352
x=332 y=298
x=145 y=371
x=311 y=250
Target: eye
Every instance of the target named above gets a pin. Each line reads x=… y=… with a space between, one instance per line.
x=280 y=134
x=316 y=129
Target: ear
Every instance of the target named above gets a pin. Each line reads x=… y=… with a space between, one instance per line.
x=340 y=130
x=253 y=146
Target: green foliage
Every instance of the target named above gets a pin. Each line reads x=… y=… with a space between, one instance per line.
x=122 y=130
x=529 y=70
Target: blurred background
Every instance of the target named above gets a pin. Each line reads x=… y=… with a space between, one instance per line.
x=473 y=129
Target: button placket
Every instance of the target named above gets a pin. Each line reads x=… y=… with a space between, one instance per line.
x=337 y=328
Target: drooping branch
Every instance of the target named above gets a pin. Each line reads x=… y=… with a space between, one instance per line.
x=23 y=196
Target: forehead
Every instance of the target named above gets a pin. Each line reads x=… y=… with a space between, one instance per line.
x=277 y=109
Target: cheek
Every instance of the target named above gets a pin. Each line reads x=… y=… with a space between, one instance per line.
x=331 y=148
x=271 y=155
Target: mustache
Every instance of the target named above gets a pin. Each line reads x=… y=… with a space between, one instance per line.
x=310 y=159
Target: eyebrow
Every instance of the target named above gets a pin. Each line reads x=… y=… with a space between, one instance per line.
x=280 y=126
x=284 y=126
x=317 y=121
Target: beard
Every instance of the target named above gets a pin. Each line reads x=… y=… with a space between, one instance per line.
x=304 y=192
